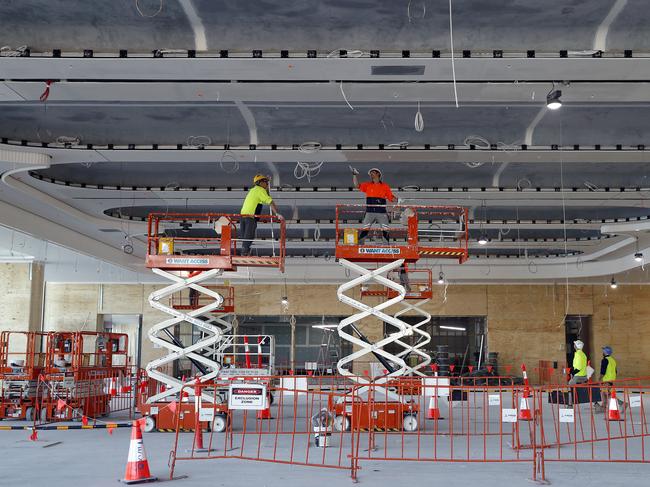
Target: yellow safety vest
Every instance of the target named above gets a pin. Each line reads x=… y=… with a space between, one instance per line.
x=610 y=372
x=580 y=363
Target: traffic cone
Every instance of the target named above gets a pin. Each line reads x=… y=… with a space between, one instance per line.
x=266 y=412
x=113 y=391
x=524 y=410
x=613 y=414
x=433 y=412
x=137 y=466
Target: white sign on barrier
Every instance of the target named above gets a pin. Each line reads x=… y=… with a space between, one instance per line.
x=567 y=416
x=206 y=414
x=247 y=396
x=635 y=401
x=509 y=415
x=293 y=385
x=494 y=400
x=436 y=386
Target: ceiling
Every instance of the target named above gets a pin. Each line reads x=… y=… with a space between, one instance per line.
x=176 y=104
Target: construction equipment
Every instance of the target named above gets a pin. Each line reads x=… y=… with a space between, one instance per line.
x=20 y=367
x=84 y=369
x=190 y=250
x=419 y=226
x=65 y=375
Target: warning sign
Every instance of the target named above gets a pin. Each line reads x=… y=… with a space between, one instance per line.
x=247 y=396
x=186 y=261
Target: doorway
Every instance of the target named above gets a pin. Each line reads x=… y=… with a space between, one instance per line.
x=577 y=327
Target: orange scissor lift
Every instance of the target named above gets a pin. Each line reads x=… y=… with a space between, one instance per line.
x=78 y=368
x=21 y=364
x=82 y=368
x=423 y=232
x=190 y=249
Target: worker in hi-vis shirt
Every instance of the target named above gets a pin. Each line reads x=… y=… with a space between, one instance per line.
x=377 y=194
x=257 y=196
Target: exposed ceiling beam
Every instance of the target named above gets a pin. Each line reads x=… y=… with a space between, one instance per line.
x=97 y=94
x=319 y=69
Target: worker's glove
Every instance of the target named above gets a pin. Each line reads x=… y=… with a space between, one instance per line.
x=354 y=170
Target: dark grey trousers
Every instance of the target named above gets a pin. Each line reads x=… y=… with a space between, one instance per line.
x=247 y=228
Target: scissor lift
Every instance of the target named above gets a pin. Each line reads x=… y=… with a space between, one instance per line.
x=422 y=232
x=191 y=249
x=21 y=363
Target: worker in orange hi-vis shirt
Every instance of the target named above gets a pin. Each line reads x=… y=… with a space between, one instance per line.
x=377 y=193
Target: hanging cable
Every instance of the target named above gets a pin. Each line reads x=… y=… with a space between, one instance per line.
x=307 y=170
x=46 y=93
x=160 y=7
x=419 y=120
x=408 y=11
x=229 y=157
x=453 y=63
x=345 y=97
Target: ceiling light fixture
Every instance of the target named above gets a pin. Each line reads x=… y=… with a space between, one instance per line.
x=553 y=101
x=482 y=240
x=638 y=256
x=457 y=328
x=613 y=283
x=441 y=278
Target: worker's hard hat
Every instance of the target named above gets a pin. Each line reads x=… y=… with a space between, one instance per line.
x=578 y=344
x=375 y=169
x=607 y=350
x=259 y=177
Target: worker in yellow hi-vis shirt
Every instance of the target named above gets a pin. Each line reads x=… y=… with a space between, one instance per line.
x=257 y=196
x=579 y=370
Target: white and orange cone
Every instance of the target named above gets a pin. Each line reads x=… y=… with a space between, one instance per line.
x=613 y=414
x=266 y=412
x=137 y=466
x=113 y=391
x=433 y=412
x=524 y=410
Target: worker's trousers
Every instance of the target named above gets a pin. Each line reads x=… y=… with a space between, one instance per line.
x=247 y=228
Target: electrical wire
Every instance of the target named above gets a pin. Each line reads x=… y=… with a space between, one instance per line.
x=66 y=139
x=230 y=155
x=408 y=11
x=160 y=7
x=419 y=120
x=353 y=53
x=198 y=141
x=307 y=170
x=310 y=147
x=453 y=63
x=9 y=52
x=345 y=97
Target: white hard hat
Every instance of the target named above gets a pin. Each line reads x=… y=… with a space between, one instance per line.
x=578 y=344
x=375 y=169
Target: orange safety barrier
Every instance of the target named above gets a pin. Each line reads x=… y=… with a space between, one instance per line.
x=327 y=421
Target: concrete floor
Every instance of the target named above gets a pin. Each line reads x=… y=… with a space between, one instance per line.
x=95 y=458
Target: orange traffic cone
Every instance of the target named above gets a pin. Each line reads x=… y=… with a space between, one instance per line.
x=433 y=412
x=613 y=414
x=137 y=466
x=266 y=412
x=113 y=391
x=524 y=410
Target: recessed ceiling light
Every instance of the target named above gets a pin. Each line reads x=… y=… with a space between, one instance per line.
x=553 y=101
